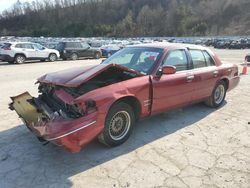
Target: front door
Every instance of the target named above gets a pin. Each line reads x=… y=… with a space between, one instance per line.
x=40 y=51
x=176 y=90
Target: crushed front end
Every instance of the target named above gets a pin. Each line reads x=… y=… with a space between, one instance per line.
x=53 y=116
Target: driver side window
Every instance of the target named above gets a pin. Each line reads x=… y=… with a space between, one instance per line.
x=178 y=59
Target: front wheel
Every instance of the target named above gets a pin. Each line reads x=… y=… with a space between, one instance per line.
x=118 y=126
x=52 y=57
x=218 y=96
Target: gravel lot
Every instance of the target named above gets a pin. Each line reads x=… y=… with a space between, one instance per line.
x=191 y=147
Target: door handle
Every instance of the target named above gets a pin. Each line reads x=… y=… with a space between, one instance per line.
x=215 y=73
x=190 y=78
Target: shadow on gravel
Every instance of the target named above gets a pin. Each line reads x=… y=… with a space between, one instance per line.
x=24 y=161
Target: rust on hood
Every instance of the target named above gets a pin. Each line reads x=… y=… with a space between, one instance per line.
x=77 y=76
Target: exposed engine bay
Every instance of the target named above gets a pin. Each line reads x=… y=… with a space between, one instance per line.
x=48 y=91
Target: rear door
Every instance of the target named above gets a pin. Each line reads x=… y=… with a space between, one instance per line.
x=205 y=73
x=175 y=90
x=29 y=50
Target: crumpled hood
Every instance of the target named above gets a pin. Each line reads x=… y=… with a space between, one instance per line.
x=73 y=77
x=76 y=76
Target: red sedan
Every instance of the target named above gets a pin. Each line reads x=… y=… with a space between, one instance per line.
x=104 y=101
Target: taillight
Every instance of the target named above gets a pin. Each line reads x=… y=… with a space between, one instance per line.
x=7 y=48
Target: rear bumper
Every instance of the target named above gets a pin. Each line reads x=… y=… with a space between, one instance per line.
x=72 y=134
x=233 y=83
x=5 y=57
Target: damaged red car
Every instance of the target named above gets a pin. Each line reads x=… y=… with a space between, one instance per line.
x=104 y=101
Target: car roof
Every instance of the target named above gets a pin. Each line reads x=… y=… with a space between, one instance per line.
x=167 y=45
x=14 y=43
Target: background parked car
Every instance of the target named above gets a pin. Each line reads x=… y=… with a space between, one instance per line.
x=19 y=52
x=247 y=58
x=75 y=50
x=108 y=51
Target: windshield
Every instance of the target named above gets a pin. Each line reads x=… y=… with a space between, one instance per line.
x=138 y=59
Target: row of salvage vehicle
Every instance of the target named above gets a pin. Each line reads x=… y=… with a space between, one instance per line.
x=19 y=52
x=105 y=101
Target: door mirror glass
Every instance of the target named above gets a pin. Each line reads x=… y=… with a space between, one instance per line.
x=168 y=69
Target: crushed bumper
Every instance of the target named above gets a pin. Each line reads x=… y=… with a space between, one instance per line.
x=72 y=134
x=4 y=57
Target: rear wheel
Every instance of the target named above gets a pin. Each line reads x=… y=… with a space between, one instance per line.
x=74 y=56
x=19 y=59
x=119 y=124
x=218 y=96
x=52 y=57
x=97 y=55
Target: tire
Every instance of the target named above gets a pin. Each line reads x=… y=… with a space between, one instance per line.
x=97 y=55
x=20 y=59
x=218 y=96
x=52 y=57
x=74 y=56
x=118 y=126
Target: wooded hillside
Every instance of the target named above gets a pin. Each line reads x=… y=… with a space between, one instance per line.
x=127 y=18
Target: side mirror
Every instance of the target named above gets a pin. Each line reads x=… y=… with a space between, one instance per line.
x=168 y=69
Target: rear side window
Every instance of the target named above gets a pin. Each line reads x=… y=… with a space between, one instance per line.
x=27 y=46
x=70 y=45
x=18 y=46
x=73 y=45
x=198 y=58
x=208 y=58
x=178 y=59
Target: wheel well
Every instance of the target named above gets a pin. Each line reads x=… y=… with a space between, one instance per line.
x=52 y=54
x=98 y=52
x=20 y=54
x=226 y=82
x=134 y=103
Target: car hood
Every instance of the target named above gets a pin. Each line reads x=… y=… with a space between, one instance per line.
x=51 y=50
x=77 y=76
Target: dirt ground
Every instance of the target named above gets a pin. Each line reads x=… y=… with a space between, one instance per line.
x=191 y=147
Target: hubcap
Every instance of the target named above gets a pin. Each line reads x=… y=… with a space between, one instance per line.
x=119 y=125
x=52 y=57
x=74 y=56
x=20 y=59
x=219 y=94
